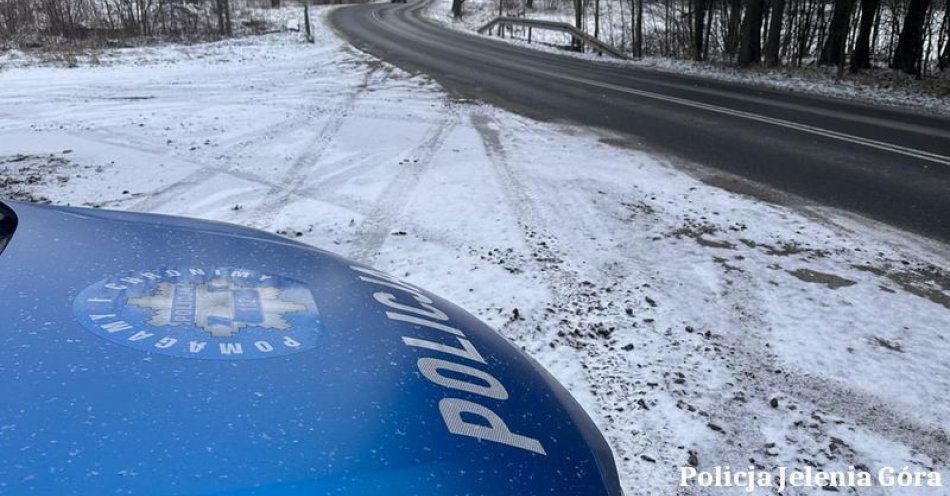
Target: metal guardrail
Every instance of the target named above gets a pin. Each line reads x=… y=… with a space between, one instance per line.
x=554 y=26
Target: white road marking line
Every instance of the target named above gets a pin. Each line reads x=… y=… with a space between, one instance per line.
x=923 y=155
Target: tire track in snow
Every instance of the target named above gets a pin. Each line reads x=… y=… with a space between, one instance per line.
x=376 y=226
x=677 y=376
x=201 y=174
x=570 y=293
x=633 y=381
x=266 y=132
x=164 y=195
x=167 y=194
x=344 y=171
x=280 y=192
x=293 y=180
x=756 y=374
x=761 y=373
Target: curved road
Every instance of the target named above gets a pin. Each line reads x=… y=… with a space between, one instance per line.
x=887 y=164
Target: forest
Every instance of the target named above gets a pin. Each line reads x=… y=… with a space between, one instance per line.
x=37 y=23
x=911 y=36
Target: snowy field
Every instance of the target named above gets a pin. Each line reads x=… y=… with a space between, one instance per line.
x=696 y=325
x=881 y=86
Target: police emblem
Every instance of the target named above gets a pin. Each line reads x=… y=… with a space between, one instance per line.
x=222 y=313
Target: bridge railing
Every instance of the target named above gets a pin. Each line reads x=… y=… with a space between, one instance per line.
x=596 y=44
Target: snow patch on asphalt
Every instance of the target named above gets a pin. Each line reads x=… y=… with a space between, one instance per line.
x=694 y=324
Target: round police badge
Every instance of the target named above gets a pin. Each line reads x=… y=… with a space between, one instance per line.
x=222 y=313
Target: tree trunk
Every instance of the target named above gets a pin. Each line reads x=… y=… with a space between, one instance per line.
x=911 y=41
x=633 y=27
x=639 y=28
x=876 y=31
x=143 y=18
x=732 y=29
x=306 y=22
x=227 y=17
x=456 y=8
x=943 y=60
x=790 y=28
x=750 y=42
x=832 y=52
x=928 y=35
x=667 y=21
x=578 y=22
x=597 y=19
x=699 y=18
x=861 y=58
x=774 y=41
x=219 y=11
x=804 y=26
x=821 y=28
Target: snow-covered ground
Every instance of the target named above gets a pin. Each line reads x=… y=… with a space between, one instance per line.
x=696 y=325
x=880 y=86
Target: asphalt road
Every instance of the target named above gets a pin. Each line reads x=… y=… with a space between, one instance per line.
x=886 y=164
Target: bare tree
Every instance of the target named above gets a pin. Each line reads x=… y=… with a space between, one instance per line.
x=861 y=57
x=750 y=43
x=699 y=17
x=774 y=41
x=733 y=23
x=833 y=49
x=910 y=45
x=596 y=18
x=638 y=30
x=943 y=60
x=578 y=21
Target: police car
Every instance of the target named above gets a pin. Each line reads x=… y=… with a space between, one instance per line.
x=147 y=354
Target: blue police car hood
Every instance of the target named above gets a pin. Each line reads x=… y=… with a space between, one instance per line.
x=145 y=354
